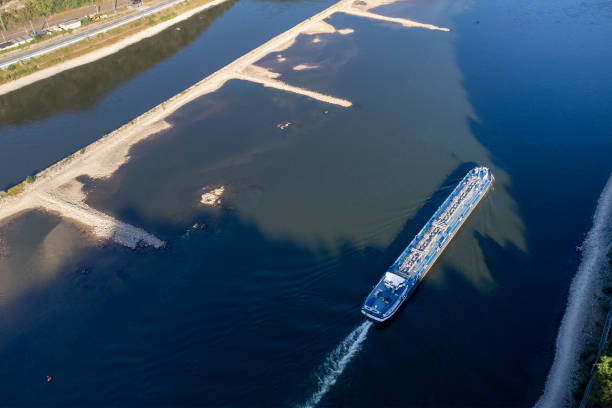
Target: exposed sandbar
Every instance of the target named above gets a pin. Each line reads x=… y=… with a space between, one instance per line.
x=102 y=225
x=57 y=190
x=212 y=198
x=403 y=21
x=273 y=83
x=302 y=67
x=320 y=27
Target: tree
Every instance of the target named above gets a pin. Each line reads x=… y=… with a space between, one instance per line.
x=29 y=11
x=603 y=381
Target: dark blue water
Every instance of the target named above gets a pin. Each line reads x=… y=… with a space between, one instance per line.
x=245 y=312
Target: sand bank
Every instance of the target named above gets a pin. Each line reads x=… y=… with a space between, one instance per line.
x=302 y=67
x=323 y=27
x=56 y=188
x=582 y=304
x=405 y=22
x=102 y=52
x=269 y=81
x=102 y=225
x=361 y=8
x=213 y=197
x=320 y=27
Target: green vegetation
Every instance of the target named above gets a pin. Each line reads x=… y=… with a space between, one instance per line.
x=167 y=17
x=41 y=8
x=601 y=393
x=598 y=370
x=15 y=190
x=602 y=385
x=16 y=73
x=29 y=179
x=67 y=159
x=2 y=193
x=37 y=38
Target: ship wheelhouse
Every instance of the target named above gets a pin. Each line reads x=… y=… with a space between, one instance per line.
x=385 y=297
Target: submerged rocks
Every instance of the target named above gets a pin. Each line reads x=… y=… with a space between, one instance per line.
x=283 y=125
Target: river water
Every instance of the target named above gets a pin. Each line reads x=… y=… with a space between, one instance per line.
x=261 y=307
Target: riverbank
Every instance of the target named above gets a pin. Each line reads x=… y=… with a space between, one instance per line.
x=581 y=325
x=598 y=390
x=90 y=50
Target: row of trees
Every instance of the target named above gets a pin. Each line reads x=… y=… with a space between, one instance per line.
x=40 y=8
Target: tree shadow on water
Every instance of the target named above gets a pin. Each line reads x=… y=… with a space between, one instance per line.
x=82 y=87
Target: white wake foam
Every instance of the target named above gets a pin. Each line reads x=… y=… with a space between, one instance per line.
x=559 y=383
x=336 y=362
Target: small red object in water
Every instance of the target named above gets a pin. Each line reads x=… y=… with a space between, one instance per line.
x=49 y=378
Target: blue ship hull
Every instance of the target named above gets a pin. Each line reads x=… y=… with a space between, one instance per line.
x=402 y=278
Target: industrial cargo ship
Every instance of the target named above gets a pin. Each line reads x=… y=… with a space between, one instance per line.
x=402 y=278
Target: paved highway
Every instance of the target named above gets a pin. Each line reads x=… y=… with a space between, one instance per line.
x=45 y=49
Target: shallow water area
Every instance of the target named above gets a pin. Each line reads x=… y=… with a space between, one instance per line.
x=36 y=257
